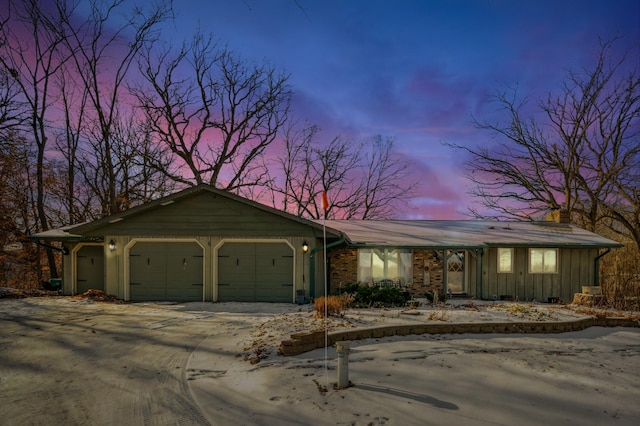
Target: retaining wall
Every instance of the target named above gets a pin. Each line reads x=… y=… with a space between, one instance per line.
x=304 y=342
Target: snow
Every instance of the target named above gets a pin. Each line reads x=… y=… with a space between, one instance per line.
x=74 y=361
x=581 y=378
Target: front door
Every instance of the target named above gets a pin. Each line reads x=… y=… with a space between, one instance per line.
x=456 y=277
x=90 y=269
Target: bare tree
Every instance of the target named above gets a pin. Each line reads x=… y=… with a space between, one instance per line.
x=33 y=63
x=138 y=156
x=12 y=109
x=73 y=101
x=215 y=112
x=132 y=151
x=309 y=170
x=19 y=213
x=623 y=210
x=364 y=181
x=584 y=156
x=386 y=183
x=102 y=49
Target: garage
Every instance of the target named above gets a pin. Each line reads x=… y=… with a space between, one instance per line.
x=89 y=269
x=255 y=272
x=198 y=244
x=166 y=271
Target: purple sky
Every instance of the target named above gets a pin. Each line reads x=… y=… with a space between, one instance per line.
x=415 y=70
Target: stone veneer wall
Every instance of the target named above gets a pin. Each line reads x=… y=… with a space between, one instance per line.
x=426 y=267
x=427 y=272
x=304 y=342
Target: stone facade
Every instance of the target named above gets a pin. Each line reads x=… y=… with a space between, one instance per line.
x=304 y=342
x=427 y=270
x=343 y=267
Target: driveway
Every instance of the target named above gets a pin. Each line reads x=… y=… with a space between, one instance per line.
x=66 y=361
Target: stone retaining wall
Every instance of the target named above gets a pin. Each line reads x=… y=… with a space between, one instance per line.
x=304 y=342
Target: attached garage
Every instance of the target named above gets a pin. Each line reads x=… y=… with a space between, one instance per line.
x=89 y=268
x=255 y=272
x=198 y=244
x=166 y=271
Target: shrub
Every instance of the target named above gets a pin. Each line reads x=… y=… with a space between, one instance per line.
x=334 y=305
x=378 y=297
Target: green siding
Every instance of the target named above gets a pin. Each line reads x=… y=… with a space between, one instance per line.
x=575 y=269
x=205 y=214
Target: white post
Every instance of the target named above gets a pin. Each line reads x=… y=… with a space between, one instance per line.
x=343 y=364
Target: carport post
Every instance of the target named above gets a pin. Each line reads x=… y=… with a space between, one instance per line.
x=312 y=264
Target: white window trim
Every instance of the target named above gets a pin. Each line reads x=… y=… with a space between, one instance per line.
x=510 y=271
x=543 y=272
x=409 y=279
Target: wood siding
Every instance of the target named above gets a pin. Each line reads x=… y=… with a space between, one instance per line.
x=575 y=269
x=205 y=217
x=205 y=214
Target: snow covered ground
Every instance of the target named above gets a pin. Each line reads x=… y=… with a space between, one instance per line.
x=578 y=378
x=77 y=361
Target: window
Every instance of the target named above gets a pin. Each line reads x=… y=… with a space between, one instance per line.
x=505 y=260
x=379 y=264
x=543 y=261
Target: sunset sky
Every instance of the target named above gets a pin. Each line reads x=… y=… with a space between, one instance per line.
x=415 y=70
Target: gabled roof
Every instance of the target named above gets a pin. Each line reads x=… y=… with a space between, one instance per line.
x=466 y=234
x=76 y=232
x=378 y=233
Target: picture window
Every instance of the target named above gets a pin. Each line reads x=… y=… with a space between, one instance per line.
x=380 y=264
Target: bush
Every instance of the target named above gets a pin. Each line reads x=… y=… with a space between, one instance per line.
x=334 y=305
x=378 y=297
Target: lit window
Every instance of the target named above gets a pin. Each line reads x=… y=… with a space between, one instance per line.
x=505 y=260
x=543 y=261
x=379 y=264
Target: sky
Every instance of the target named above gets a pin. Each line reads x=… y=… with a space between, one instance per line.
x=417 y=71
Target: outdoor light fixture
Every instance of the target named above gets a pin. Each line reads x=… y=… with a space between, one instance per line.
x=112 y=245
x=305 y=247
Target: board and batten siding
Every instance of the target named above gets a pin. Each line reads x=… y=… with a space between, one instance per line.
x=209 y=219
x=575 y=269
x=205 y=214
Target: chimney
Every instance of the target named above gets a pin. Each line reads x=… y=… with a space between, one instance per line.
x=564 y=216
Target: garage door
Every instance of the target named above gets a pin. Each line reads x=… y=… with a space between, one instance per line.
x=90 y=269
x=255 y=272
x=165 y=271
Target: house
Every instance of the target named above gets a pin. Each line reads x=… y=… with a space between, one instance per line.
x=204 y=244
x=481 y=259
